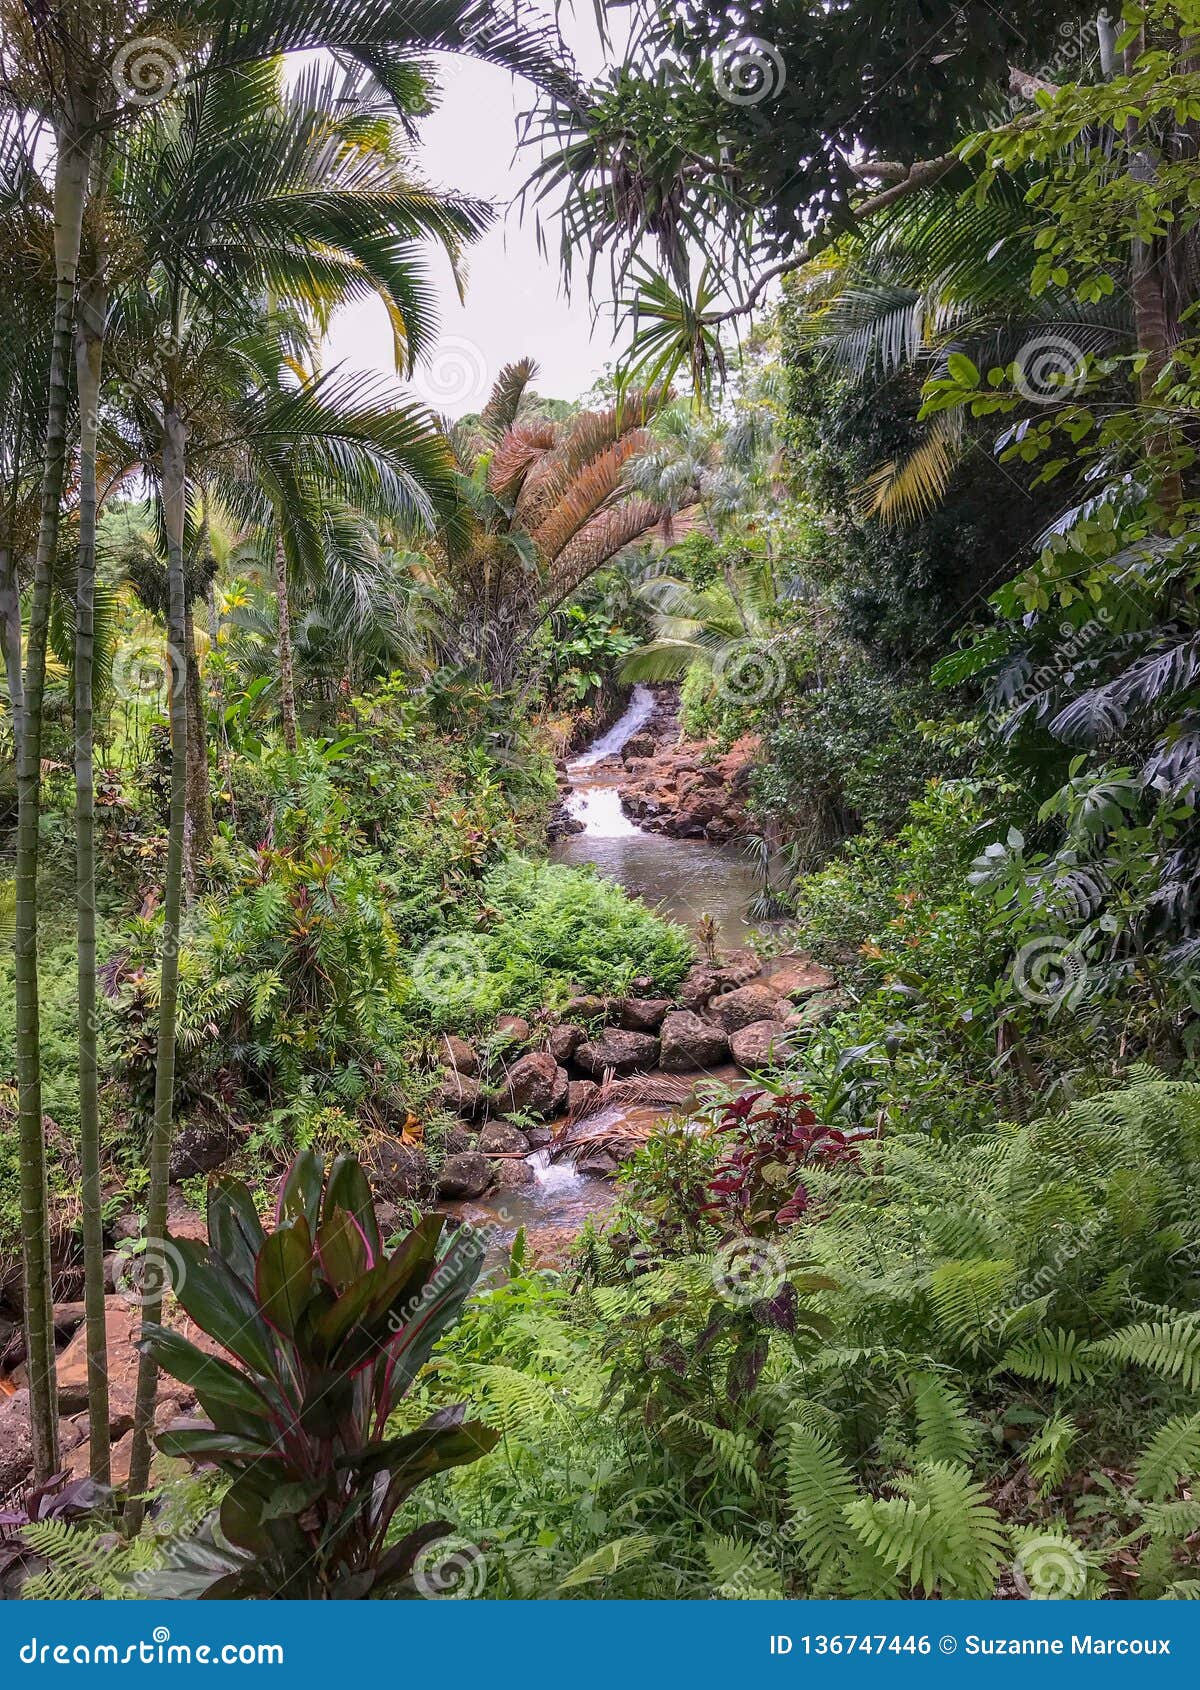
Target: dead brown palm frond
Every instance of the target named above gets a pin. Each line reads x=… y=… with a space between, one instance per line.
x=581 y=440
x=519 y=450
x=600 y=540
x=587 y=492
x=508 y=392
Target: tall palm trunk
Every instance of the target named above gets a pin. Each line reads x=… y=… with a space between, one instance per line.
x=199 y=831
x=70 y=189
x=10 y=638
x=287 y=673
x=89 y=348
x=174 y=484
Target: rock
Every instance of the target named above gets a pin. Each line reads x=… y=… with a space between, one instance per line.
x=183 y=1221
x=642 y=1015
x=740 y=967
x=467 y=1174
x=539 y=1137
x=619 y=1050
x=596 y=1161
x=457 y=1139
x=759 y=1044
x=126 y=1226
x=583 y=1007
x=512 y=1174
x=532 y=1084
x=498 y=1138
x=200 y=1146
x=639 y=745
x=514 y=1027
x=702 y=981
x=689 y=1043
x=122 y=1328
x=820 y=1009
x=797 y=977
x=562 y=1042
x=458 y=1054
x=461 y=1095
x=399 y=1171
x=583 y=1098
x=16 y=1441
x=741 y=1008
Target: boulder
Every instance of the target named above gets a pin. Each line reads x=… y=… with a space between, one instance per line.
x=596 y=1161
x=459 y=1055
x=741 y=1008
x=562 y=1042
x=820 y=1009
x=399 y=1171
x=467 y=1174
x=689 y=1043
x=702 y=981
x=797 y=977
x=514 y=1027
x=532 y=1084
x=620 y=1050
x=123 y=1330
x=759 y=1044
x=200 y=1146
x=512 y=1174
x=457 y=1139
x=461 y=1095
x=583 y=1097
x=638 y=745
x=583 y=1007
x=498 y=1138
x=16 y=1441
x=642 y=1015
x=539 y=1137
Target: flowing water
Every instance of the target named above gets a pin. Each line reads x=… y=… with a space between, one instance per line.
x=681 y=878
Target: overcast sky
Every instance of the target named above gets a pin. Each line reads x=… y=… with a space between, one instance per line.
x=515 y=304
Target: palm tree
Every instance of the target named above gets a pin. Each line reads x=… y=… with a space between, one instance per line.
x=541 y=506
x=62 y=72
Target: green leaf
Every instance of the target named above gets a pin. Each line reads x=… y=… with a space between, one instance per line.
x=283 y=1277
x=962 y=370
x=349 y=1189
x=207 y=1374
x=223 y=1306
x=234 y=1229
x=301 y=1193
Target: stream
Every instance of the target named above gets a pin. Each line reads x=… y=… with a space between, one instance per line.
x=682 y=879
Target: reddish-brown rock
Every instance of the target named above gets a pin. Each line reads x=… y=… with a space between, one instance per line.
x=534 y=1084
x=759 y=1044
x=459 y=1055
x=466 y=1175
x=689 y=1043
x=498 y=1138
x=583 y=1098
x=642 y=1015
x=562 y=1042
x=619 y=1050
x=740 y=1008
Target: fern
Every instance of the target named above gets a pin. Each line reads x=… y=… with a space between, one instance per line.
x=944 y=1537
x=1048 y=1453
x=945 y=1431
x=739 y=1571
x=1058 y=1357
x=1172 y=1454
x=966 y=1296
x=1168 y=1347
x=820 y=1493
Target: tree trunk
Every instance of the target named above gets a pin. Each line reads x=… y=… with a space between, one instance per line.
x=287 y=676
x=89 y=348
x=10 y=639
x=156 y=1271
x=70 y=187
x=199 y=830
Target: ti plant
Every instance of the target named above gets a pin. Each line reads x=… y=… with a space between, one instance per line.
x=328 y=1332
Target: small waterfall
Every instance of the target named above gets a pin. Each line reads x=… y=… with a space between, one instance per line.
x=637 y=713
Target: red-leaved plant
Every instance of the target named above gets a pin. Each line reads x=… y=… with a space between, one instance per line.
x=758 y=1185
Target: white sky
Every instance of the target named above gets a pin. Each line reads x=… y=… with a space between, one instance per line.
x=515 y=303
